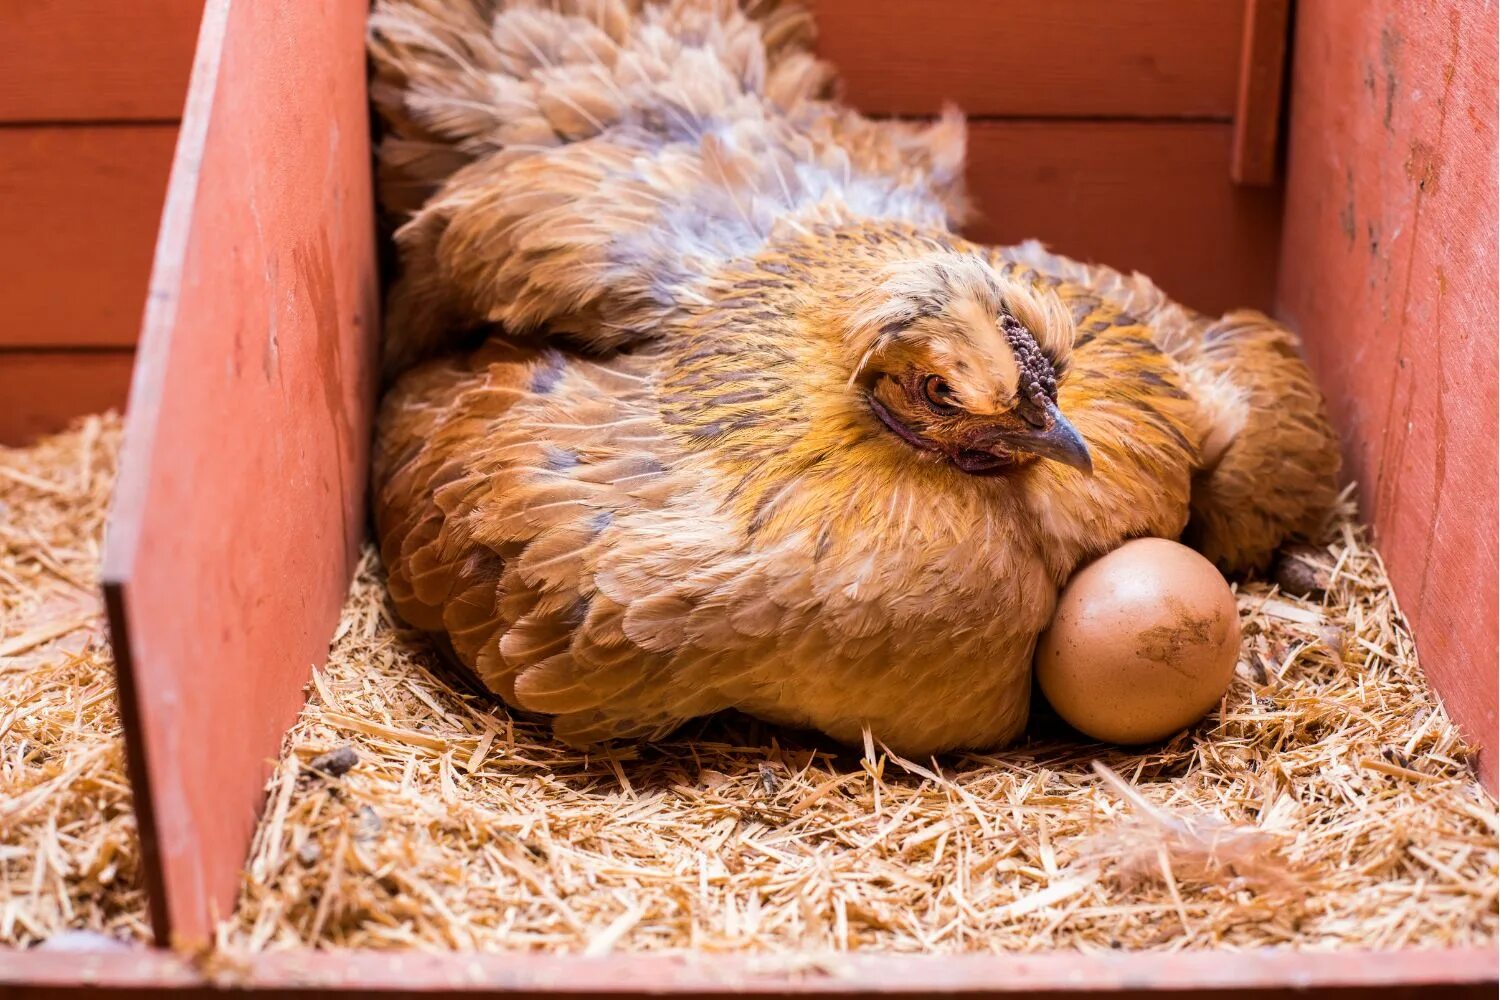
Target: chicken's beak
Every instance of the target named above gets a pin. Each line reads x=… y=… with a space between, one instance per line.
x=1056 y=439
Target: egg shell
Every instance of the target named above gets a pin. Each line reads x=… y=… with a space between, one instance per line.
x=1143 y=643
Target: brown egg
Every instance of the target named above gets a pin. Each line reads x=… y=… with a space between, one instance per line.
x=1143 y=643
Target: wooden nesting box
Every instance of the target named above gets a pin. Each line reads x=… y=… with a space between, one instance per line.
x=1143 y=133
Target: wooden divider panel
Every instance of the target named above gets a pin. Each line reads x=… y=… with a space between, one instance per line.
x=1389 y=271
x=239 y=507
x=1257 y=106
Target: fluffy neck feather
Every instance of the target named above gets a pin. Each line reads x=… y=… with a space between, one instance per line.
x=759 y=391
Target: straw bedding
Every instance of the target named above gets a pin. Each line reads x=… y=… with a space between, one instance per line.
x=69 y=858
x=1327 y=804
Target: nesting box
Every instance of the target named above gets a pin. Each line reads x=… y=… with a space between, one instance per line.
x=1147 y=134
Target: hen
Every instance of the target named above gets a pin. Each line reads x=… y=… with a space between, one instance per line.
x=698 y=402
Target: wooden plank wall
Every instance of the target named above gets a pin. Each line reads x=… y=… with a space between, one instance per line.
x=1389 y=272
x=90 y=95
x=1105 y=129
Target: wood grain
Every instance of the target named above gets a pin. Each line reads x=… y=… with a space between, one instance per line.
x=1389 y=271
x=43 y=390
x=238 y=511
x=1153 y=197
x=83 y=60
x=1257 y=106
x=1060 y=58
x=307 y=975
x=82 y=208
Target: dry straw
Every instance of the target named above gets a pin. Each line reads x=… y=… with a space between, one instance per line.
x=69 y=857
x=1327 y=804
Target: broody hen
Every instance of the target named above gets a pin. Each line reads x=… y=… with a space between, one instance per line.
x=699 y=403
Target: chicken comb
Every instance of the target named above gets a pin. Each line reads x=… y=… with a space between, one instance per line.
x=1037 y=376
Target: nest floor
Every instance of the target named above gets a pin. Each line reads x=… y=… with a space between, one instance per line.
x=69 y=854
x=1327 y=804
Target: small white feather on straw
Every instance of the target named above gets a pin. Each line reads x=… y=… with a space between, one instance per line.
x=1195 y=847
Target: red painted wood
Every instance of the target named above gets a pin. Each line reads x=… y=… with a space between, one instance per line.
x=1057 y=976
x=82 y=207
x=1257 y=106
x=239 y=506
x=1148 y=196
x=1068 y=58
x=1389 y=271
x=89 y=60
x=41 y=391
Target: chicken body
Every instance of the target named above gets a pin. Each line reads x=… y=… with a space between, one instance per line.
x=747 y=426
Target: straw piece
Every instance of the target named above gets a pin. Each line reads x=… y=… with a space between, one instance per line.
x=1397 y=771
x=32 y=638
x=397 y=733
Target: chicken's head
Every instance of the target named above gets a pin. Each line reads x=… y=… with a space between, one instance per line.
x=957 y=359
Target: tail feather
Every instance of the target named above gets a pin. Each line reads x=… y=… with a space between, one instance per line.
x=457 y=80
x=576 y=168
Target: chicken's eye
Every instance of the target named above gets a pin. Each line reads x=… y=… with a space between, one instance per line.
x=939 y=394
